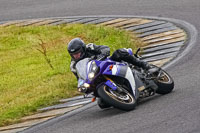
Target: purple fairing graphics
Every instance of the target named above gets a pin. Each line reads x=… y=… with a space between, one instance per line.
x=102 y=66
x=107 y=71
x=105 y=68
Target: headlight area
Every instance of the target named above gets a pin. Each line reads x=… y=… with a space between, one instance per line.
x=84 y=87
x=93 y=71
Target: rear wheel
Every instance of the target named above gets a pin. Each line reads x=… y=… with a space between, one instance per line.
x=120 y=99
x=165 y=83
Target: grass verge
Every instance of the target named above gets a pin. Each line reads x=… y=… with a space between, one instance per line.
x=27 y=82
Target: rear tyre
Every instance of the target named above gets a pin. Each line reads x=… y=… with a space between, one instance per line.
x=122 y=100
x=165 y=83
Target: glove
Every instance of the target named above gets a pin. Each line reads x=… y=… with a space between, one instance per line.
x=101 y=57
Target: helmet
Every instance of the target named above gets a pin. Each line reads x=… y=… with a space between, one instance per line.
x=76 y=48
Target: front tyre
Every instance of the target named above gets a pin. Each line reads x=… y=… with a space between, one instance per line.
x=165 y=83
x=119 y=99
x=102 y=104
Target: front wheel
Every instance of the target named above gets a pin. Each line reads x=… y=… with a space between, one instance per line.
x=119 y=99
x=165 y=83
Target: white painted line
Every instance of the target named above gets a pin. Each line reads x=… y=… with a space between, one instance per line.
x=80 y=103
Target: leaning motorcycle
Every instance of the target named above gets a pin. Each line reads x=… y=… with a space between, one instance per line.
x=120 y=84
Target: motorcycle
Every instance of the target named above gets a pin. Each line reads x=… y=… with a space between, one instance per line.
x=120 y=84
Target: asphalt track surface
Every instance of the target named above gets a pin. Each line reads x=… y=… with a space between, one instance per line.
x=177 y=112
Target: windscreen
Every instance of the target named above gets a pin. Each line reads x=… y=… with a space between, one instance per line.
x=81 y=68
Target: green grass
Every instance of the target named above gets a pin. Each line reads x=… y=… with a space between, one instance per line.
x=27 y=82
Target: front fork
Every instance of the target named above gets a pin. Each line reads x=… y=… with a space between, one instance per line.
x=110 y=83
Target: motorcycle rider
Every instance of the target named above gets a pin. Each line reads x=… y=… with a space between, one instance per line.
x=78 y=50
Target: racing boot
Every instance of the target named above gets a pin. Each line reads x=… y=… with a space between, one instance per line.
x=144 y=65
x=122 y=54
x=149 y=68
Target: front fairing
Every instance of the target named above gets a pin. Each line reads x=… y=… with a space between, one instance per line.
x=124 y=71
x=106 y=67
x=84 y=67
